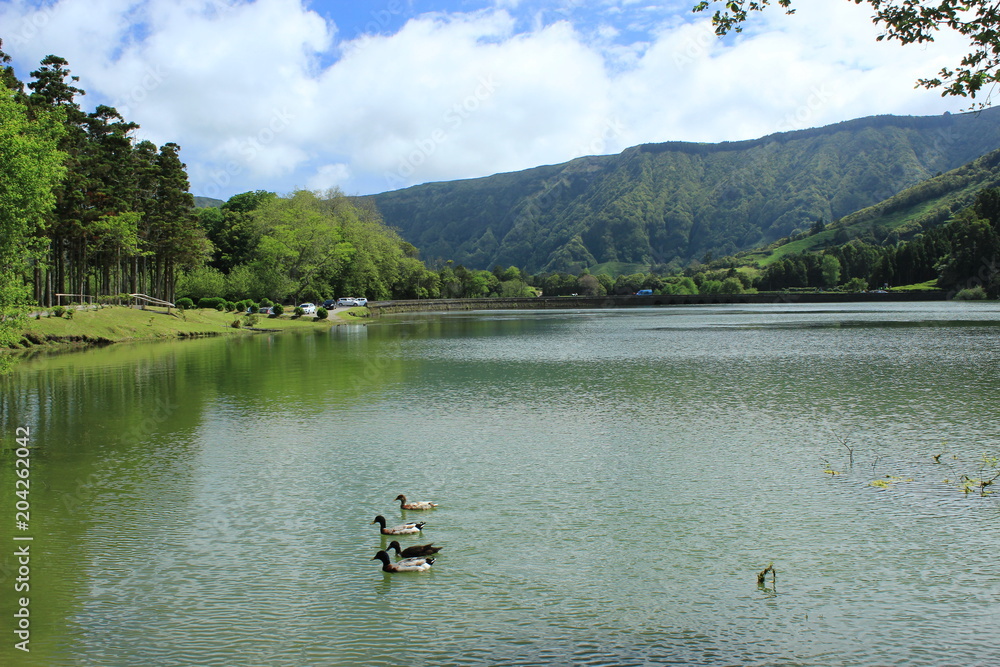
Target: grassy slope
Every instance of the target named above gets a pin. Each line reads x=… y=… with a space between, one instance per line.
x=119 y=324
x=619 y=268
x=917 y=208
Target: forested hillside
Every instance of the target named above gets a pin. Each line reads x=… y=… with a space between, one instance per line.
x=917 y=209
x=663 y=205
x=960 y=255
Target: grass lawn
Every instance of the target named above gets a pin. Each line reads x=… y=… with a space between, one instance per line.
x=116 y=324
x=929 y=286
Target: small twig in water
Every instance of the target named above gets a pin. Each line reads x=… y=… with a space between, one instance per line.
x=850 y=450
x=762 y=575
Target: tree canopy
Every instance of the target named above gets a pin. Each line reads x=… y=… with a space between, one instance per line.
x=909 y=22
x=30 y=167
x=86 y=209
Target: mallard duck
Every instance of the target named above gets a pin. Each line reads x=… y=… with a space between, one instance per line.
x=415 y=550
x=415 y=505
x=403 y=529
x=405 y=565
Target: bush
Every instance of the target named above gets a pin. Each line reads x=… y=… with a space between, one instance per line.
x=321 y=313
x=201 y=282
x=299 y=312
x=58 y=311
x=230 y=307
x=237 y=323
x=277 y=310
x=856 y=285
x=221 y=306
x=266 y=302
x=210 y=302
x=184 y=304
x=976 y=293
x=253 y=307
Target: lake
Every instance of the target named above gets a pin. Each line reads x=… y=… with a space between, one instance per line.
x=610 y=482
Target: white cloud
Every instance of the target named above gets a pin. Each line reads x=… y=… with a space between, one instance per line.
x=329 y=176
x=454 y=96
x=260 y=95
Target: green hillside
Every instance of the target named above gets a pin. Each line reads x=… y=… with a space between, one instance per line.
x=207 y=202
x=912 y=211
x=665 y=204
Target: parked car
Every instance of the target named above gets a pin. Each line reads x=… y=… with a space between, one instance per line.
x=644 y=292
x=346 y=301
x=329 y=303
x=308 y=308
x=265 y=310
x=361 y=301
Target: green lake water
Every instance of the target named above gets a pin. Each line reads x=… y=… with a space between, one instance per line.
x=610 y=484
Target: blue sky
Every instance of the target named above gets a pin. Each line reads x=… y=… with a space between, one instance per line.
x=374 y=96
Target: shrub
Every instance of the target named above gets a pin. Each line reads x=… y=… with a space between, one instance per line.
x=321 y=313
x=277 y=310
x=210 y=302
x=221 y=306
x=856 y=285
x=69 y=313
x=266 y=302
x=59 y=311
x=184 y=304
x=230 y=307
x=971 y=294
x=299 y=312
x=253 y=307
x=201 y=282
x=237 y=323
x=250 y=320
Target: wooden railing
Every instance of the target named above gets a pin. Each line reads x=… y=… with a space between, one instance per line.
x=141 y=300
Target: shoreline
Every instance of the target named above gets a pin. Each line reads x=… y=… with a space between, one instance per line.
x=379 y=308
x=97 y=326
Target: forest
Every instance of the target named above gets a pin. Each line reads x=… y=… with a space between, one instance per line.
x=963 y=253
x=309 y=246
x=110 y=215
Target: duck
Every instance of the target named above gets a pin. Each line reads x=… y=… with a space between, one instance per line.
x=402 y=529
x=405 y=565
x=415 y=505
x=415 y=550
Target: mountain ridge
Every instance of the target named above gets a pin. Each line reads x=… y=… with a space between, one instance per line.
x=670 y=202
